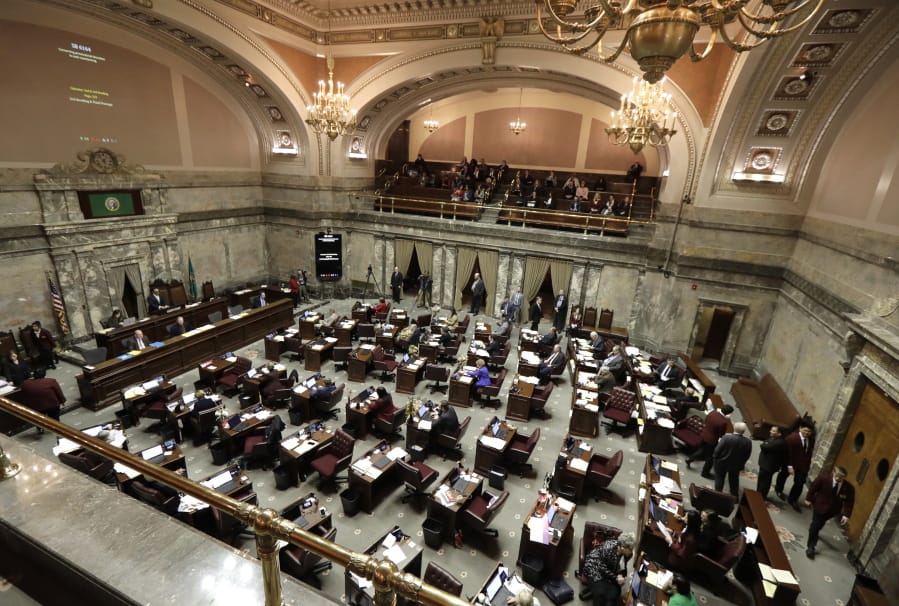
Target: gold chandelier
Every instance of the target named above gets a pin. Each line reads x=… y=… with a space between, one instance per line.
x=330 y=112
x=431 y=124
x=517 y=126
x=645 y=116
x=659 y=32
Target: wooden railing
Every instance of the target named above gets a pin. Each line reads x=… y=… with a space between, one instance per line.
x=269 y=527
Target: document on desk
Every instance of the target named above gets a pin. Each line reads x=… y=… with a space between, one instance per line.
x=564 y=504
x=494 y=443
x=305 y=447
x=769 y=588
x=189 y=503
x=331 y=339
x=150 y=453
x=578 y=464
x=664 y=530
x=362 y=465
x=290 y=443
x=389 y=541
x=395 y=554
x=767 y=573
x=784 y=576
x=424 y=425
x=539 y=532
x=397 y=453
x=751 y=534
x=65 y=445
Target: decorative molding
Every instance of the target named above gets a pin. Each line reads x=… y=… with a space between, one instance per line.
x=94 y=161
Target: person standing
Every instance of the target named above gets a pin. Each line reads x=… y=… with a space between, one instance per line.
x=154 y=302
x=304 y=293
x=800 y=446
x=772 y=458
x=477 y=294
x=828 y=496
x=731 y=454
x=536 y=313
x=560 y=310
x=602 y=568
x=425 y=286
x=294 y=286
x=45 y=344
x=43 y=395
x=716 y=425
x=516 y=302
x=396 y=284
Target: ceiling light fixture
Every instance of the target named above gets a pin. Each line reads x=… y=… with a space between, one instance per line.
x=330 y=112
x=645 y=116
x=517 y=127
x=659 y=32
x=431 y=124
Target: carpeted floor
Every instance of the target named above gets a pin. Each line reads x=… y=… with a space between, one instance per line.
x=826 y=580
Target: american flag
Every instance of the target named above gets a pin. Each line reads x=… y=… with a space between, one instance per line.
x=58 y=307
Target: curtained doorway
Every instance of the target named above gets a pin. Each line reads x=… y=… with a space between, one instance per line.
x=466 y=292
x=129 y=306
x=410 y=278
x=548 y=294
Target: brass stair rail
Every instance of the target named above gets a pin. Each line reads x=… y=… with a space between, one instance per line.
x=268 y=526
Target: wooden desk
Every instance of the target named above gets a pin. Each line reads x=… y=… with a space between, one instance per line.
x=486 y=456
x=306 y=512
x=585 y=405
x=155 y=328
x=410 y=562
x=573 y=473
x=172 y=460
x=528 y=363
x=361 y=312
x=653 y=570
x=249 y=419
x=212 y=370
x=694 y=377
x=359 y=363
x=650 y=539
x=460 y=388
x=246 y=296
x=135 y=399
x=357 y=413
x=409 y=374
x=303 y=445
x=178 y=412
x=448 y=499
x=237 y=482
x=307 y=325
x=654 y=425
x=558 y=534
x=100 y=385
x=508 y=589
x=317 y=352
x=521 y=401
x=374 y=471
x=767 y=550
x=344 y=331
x=386 y=336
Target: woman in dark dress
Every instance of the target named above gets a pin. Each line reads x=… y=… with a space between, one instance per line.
x=16 y=370
x=684 y=547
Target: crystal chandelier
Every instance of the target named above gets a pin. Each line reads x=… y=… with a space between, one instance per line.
x=659 y=32
x=330 y=112
x=517 y=126
x=645 y=116
x=431 y=124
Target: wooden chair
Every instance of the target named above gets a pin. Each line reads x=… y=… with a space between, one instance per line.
x=589 y=318
x=605 y=319
x=208 y=290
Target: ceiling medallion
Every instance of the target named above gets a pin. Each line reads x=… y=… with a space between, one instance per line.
x=777 y=122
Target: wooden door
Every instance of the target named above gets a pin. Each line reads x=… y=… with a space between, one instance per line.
x=869 y=452
x=719 y=328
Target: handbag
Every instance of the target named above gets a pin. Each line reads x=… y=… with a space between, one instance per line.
x=558 y=591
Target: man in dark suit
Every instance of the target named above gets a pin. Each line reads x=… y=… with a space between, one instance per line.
x=154 y=302
x=260 y=301
x=668 y=375
x=515 y=303
x=202 y=402
x=597 y=345
x=425 y=287
x=42 y=394
x=560 y=311
x=536 y=313
x=716 y=425
x=45 y=344
x=772 y=457
x=447 y=422
x=731 y=454
x=179 y=327
x=477 y=294
x=553 y=364
x=550 y=338
x=396 y=284
x=800 y=446
x=137 y=342
x=828 y=496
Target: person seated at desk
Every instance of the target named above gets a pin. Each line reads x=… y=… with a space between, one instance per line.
x=138 y=341
x=550 y=338
x=681 y=405
x=523 y=598
x=326 y=326
x=602 y=568
x=447 y=336
x=681 y=594
x=407 y=332
x=447 y=421
x=494 y=346
x=480 y=373
x=553 y=364
x=505 y=309
x=453 y=319
x=383 y=407
x=154 y=302
x=597 y=345
x=682 y=547
x=605 y=380
x=42 y=394
x=575 y=320
x=322 y=393
x=381 y=307
x=667 y=374
x=260 y=301
x=614 y=361
x=16 y=370
x=711 y=528
x=115 y=319
x=180 y=327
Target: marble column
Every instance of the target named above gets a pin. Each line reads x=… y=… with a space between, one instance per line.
x=449 y=276
x=71 y=287
x=591 y=285
x=577 y=284
x=437 y=275
x=502 y=282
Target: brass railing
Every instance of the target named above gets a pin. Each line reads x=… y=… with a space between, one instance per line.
x=269 y=527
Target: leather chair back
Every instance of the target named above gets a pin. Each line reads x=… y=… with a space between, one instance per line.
x=442 y=579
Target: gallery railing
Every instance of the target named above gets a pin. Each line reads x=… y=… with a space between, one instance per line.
x=268 y=526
